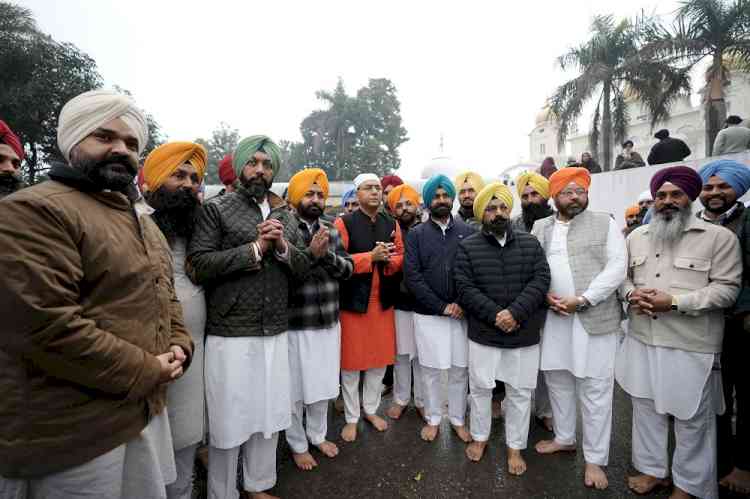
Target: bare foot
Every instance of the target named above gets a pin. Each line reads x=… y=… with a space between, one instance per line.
x=395 y=411
x=497 y=409
x=379 y=423
x=420 y=410
x=260 y=495
x=304 y=461
x=329 y=449
x=737 y=481
x=462 y=433
x=678 y=493
x=550 y=447
x=595 y=477
x=645 y=484
x=349 y=432
x=516 y=464
x=475 y=451
x=339 y=404
x=429 y=432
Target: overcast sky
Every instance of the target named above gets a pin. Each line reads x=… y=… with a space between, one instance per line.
x=477 y=72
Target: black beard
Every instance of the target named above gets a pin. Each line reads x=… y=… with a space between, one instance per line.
x=718 y=211
x=102 y=174
x=9 y=183
x=533 y=212
x=174 y=212
x=310 y=212
x=573 y=211
x=497 y=227
x=257 y=187
x=440 y=210
x=406 y=219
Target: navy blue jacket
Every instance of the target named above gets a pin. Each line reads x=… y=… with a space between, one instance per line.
x=430 y=258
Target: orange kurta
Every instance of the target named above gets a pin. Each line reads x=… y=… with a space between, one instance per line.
x=369 y=340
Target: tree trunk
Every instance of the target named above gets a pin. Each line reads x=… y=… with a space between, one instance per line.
x=606 y=163
x=715 y=106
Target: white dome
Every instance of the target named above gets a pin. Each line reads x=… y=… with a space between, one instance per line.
x=442 y=164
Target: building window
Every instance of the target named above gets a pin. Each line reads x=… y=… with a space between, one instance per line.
x=542 y=149
x=541 y=130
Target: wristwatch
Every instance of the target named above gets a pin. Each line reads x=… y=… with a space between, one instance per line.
x=674 y=304
x=582 y=305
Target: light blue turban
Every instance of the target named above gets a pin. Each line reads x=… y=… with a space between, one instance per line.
x=351 y=193
x=734 y=173
x=432 y=185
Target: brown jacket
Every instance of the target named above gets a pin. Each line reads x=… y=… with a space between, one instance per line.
x=87 y=301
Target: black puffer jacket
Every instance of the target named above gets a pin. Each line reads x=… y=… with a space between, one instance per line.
x=491 y=278
x=245 y=296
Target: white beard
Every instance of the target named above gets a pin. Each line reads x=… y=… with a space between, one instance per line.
x=670 y=230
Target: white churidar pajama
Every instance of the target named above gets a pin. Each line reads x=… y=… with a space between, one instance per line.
x=517 y=368
x=249 y=402
x=443 y=346
x=372 y=390
x=580 y=367
x=406 y=362
x=667 y=381
x=314 y=363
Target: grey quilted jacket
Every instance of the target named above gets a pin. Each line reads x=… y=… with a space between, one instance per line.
x=245 y=296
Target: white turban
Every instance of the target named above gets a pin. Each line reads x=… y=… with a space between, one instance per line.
x=86 y=112
x=364 y=177
x=645 y=196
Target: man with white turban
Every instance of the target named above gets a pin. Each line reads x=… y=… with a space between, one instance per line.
x=95 y=330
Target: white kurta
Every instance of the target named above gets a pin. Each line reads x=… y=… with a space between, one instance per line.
x=405 y=341
x=247 y=387
x=186 y=396
x=565 y=343
x=517 y=367
x=314 y=364
x=674 y=379
x=442 y=342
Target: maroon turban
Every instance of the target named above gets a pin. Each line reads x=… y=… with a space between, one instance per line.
x=8 y=137
x=393 y=180
x=683 y=177
x=226 y=170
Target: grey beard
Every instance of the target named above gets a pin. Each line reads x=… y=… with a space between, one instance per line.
x=669 y=230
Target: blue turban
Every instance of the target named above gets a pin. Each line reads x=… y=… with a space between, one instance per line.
x=351 y=193
x=432 y=185
x=734 y=173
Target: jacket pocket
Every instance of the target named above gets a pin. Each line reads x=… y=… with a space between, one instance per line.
x=637 y=269
x=690 y=273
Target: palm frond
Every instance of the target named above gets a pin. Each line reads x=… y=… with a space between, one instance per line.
x=620 y=116
x=567 y=102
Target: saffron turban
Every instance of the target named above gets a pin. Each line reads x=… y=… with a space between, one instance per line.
x=165 y=159
x=474 y=179
x=402 y=191
x=301 y=182
x=90 y=110
x=247 y=148
x=561 y=178
x=350 y=194
x=393 y=180
x=491 y=191
x=645 y=196
x=536 y=181
x=683 y=177
x=433 y=184
x=632 y=211
x=10 y=139
x=364 y=177
x=226 y=171
x=734 y=173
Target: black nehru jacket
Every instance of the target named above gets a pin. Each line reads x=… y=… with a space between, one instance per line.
x=491 y=278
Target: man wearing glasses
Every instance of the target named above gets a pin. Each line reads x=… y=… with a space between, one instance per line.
x=587 y=259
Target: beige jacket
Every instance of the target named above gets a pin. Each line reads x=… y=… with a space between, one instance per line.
x=703 y=270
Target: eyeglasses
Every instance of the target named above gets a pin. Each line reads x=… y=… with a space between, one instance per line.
x=372 y=187
x=568 y=193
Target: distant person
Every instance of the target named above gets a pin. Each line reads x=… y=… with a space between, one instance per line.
x=668 y=149
x=588 y=162
x=227 y=175
x=349 y=202
x=11 y=155
x=388 y=182
x=628 y=158
x=734 y=137
x=468 y=185
x=548 y=167
x=571 y=161
x=632 y=219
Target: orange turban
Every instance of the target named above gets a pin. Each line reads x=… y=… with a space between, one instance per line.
x=632 y=211
x=301 y=182
x=561 y=178
x=165 y=159
x=401 y=191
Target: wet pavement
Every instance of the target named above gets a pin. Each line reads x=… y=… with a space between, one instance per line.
x=398 y=464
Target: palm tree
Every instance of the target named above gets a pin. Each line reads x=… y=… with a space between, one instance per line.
x=611 y=67
x=713 y=30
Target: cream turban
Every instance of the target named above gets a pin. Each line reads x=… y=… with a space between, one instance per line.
x=88 y=111
x=165 y=159
x=364 y=177
x=474 y=179
x=494 y=190
x=536 y=181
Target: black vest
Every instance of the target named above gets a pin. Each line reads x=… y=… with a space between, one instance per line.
x=363 y=234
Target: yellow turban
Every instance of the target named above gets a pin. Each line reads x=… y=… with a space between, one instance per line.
x=401 y=191
x=165 y=159
x=301 y=182
x=535 y=181
x=494 y=190
x=474 y=180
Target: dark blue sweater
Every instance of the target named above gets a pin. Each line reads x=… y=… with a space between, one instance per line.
x=430 y=258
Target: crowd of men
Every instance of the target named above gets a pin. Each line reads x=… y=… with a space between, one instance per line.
x=134 y=313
